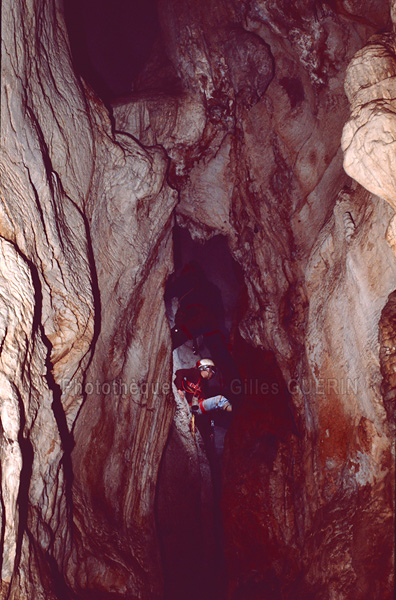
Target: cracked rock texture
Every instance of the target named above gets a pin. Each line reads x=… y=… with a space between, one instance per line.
x=235 y=121
x=85 y=237
x=264 y=168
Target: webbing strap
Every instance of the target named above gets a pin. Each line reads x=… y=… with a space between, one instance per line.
x=193 y=388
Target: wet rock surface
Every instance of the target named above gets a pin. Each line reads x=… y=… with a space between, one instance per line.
x=235 y=122
x=86 y=279
x=274 y=164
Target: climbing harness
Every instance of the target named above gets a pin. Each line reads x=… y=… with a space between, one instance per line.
x=193 y=388
x=196 y=401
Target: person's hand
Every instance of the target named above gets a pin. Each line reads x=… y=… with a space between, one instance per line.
x=181 y=394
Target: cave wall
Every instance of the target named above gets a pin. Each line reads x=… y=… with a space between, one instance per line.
x=241 y=109
x=86 y=404
x=256 y=155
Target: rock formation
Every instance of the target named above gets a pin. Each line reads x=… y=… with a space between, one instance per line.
x=91 y=408
x=233 y=128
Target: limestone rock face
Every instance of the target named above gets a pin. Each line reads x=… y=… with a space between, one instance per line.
x=234 y=126
x=265 y=170
x=85 y=238
x=368 y=138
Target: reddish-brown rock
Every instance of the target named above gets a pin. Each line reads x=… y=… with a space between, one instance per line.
x=241 y=107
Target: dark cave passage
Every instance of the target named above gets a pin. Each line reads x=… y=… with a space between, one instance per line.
x=246 y=374
x=191 y=502
x=204 y=298
x=260 y=462
x=111 y=41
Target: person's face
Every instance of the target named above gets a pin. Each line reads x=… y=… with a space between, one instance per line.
x=207 y=374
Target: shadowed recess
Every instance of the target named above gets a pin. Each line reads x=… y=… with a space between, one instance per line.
x=111 y=41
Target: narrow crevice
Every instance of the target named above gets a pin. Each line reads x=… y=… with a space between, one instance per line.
x=206 y=300
x=24 y=481
x=59 y=413
x=263 y=386
x=202 y=298
x=60 y=588
x=24 y=443
x=66 y=437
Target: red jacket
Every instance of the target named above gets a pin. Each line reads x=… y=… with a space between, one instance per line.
x=191 y=382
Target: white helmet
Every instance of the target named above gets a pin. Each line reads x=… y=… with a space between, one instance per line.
x=206 y=363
